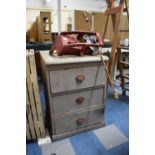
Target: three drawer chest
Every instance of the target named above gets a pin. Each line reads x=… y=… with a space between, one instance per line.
x=75 y=92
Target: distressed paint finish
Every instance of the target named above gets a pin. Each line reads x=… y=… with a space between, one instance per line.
x=65 y=80
x=75 y=92
x=68 y=102
x=69 y=122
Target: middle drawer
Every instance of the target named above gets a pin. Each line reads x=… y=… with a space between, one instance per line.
x=77 y=100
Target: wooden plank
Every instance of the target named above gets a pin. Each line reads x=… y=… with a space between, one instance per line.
x=105 y=27
x=87 y=20
x=47 y=94
x=29 y=117
x=124 y=62
x=116 y=21
x=99 y=23
x=32 y=33
x=100 y=20
x=43 y=37
x=126 y=76
x=124 y=47
x=82 y=25
x=121 y=35
x=126 y=27
x=36 y=94
x=124 y=30
x=28 y=135
x=110 y=29
x=113 y=11
x=38 y=28
x=120 y=65
x=31 y=97
x=116 y=24
x=127 y=10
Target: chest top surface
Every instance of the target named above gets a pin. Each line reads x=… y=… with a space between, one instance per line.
x=67 y=59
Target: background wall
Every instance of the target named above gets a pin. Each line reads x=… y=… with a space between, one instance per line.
x=96 y=5
x=67 y=7
x=32 y=13
x=99 y=24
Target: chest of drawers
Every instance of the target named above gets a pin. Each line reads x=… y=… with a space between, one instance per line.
x=75 y=92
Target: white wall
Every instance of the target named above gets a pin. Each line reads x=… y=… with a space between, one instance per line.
x=96 y=5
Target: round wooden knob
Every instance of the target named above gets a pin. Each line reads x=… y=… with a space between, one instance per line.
x=79 y=100
x=80 y=78
x=80 y=121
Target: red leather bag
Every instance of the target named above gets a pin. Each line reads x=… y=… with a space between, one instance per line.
x=77 y=43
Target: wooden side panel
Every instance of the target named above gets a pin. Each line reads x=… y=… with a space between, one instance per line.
x=121 y=34
x=99 y=23
x=80 y=23
x=110 y=29
x=28 y=135
x=36 y=94
x=32 y=33
x=32 y=100
x=126 y=27
x=30 y=118
x=38 y=28
x=33 y=110
x=42 y=26
x=46 y=80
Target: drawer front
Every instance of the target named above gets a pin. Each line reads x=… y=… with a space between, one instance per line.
x=74 y=101
x=77 y=78
x=75 y=121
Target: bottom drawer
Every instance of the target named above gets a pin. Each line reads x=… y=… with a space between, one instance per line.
x=75 y=121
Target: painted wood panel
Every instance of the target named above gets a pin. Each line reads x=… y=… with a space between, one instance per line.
x=77 y=100
x=66 y=80
x=70 y=121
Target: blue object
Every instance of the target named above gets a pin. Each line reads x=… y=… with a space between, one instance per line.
x=87 y=143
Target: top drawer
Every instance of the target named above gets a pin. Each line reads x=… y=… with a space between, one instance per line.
x=77 y=78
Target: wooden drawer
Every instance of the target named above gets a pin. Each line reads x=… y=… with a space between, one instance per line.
x=78 y=120
x=76 y=78
x=77 y=100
